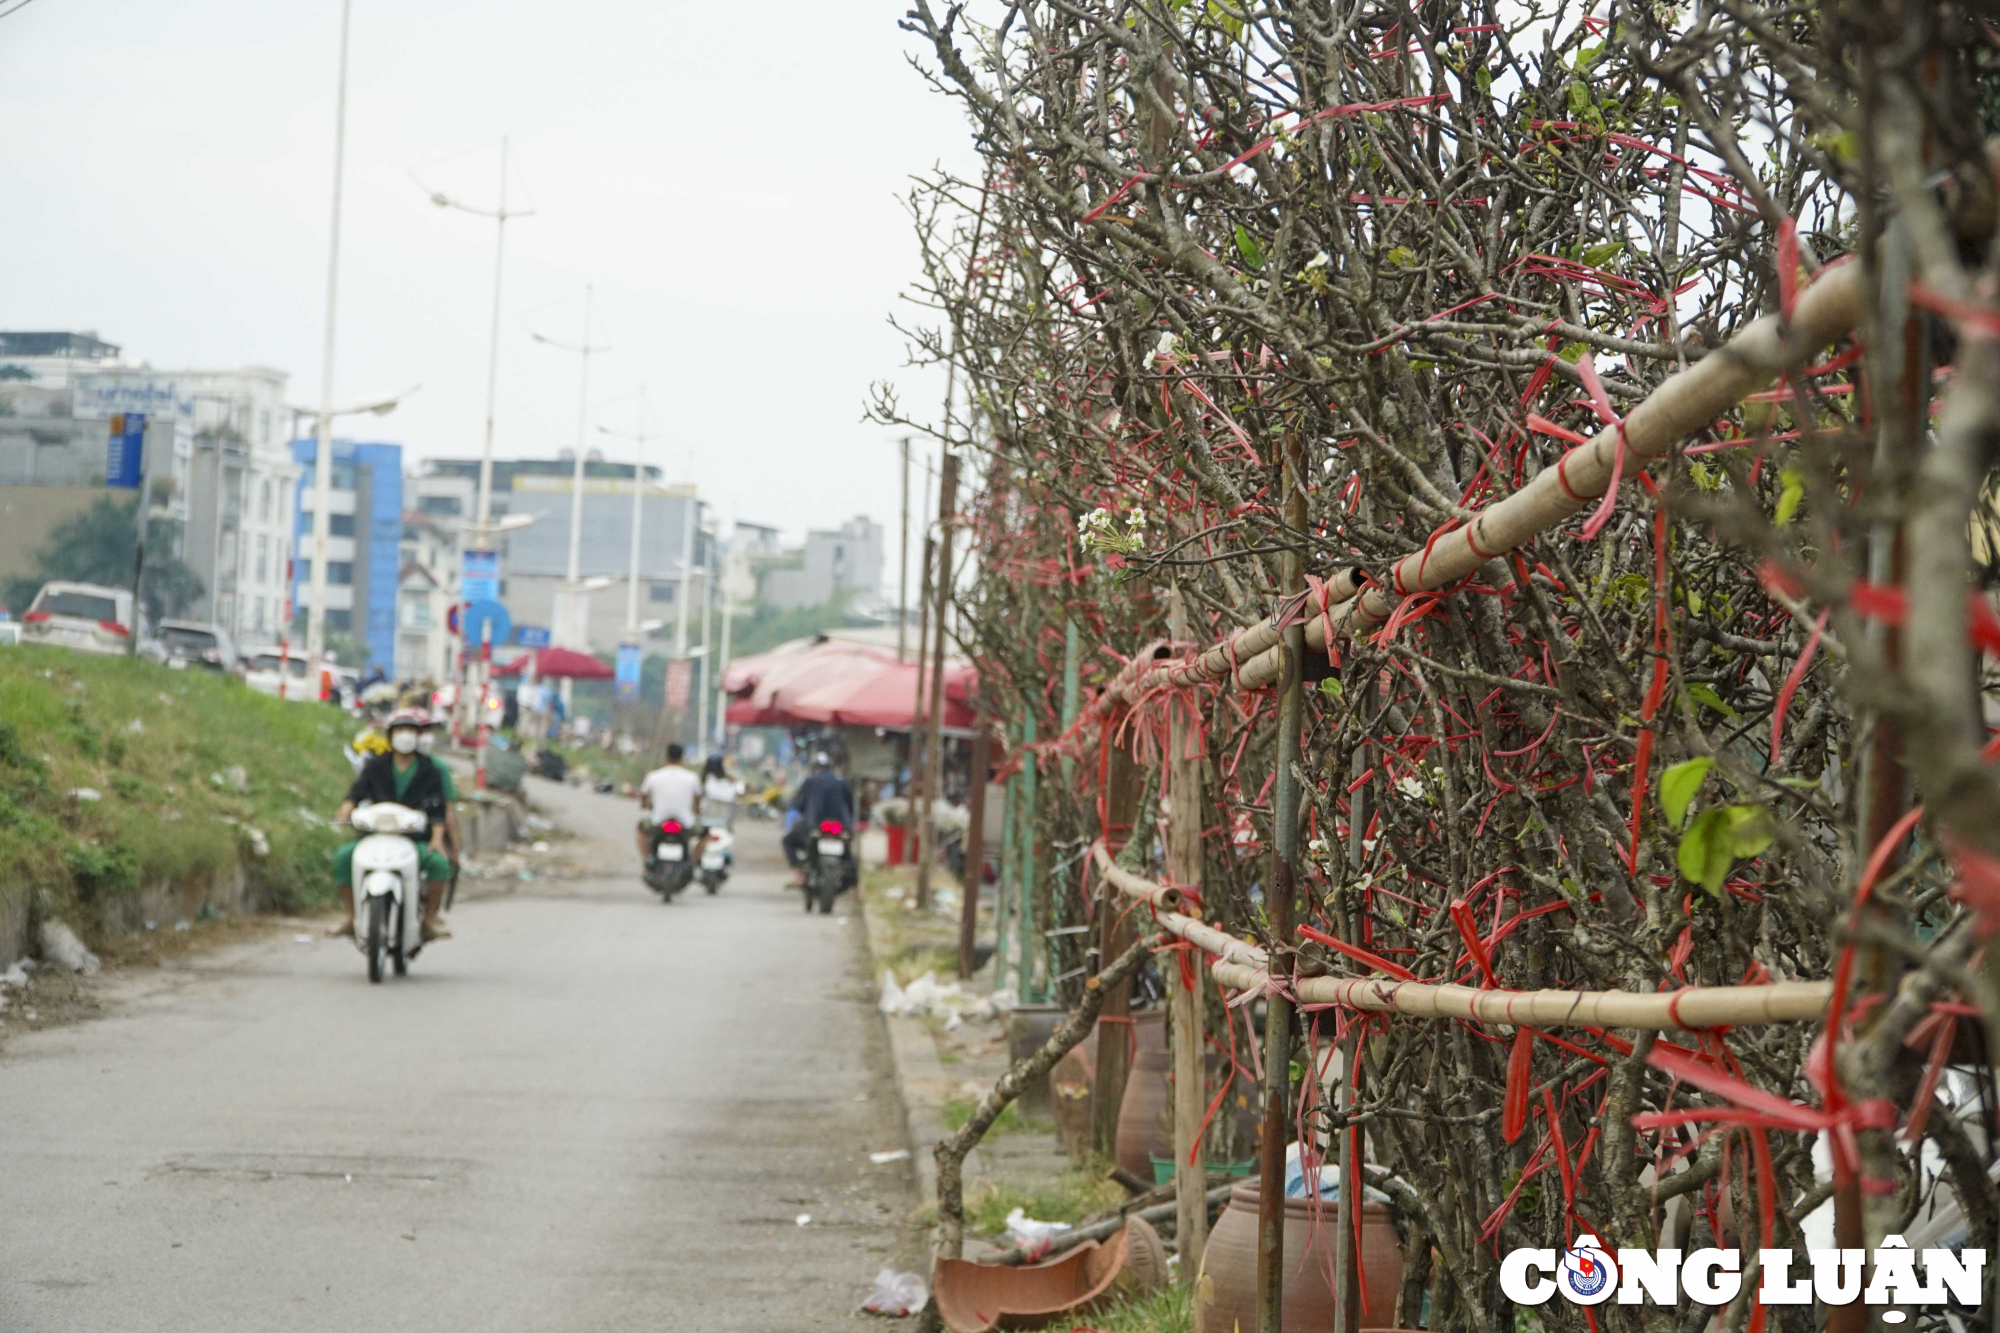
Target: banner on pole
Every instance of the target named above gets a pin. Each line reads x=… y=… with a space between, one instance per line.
x=627 y=671
x=125 y=452
x=680 y=672
x=479 y=577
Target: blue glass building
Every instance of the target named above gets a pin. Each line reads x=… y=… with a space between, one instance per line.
x=364 y=542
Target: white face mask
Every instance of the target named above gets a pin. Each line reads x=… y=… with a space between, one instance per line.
x=424 y=742
x=403 y=741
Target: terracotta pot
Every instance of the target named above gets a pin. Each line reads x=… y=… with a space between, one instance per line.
x=1029 y=1028
x=1228 y=1297
x=1069 y=1096
x=1145 y=1115
x=978 y=1298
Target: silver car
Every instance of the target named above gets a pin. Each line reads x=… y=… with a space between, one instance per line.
x=184 y=643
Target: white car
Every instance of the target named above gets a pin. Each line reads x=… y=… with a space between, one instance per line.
x=87 y=617
x=260 y=673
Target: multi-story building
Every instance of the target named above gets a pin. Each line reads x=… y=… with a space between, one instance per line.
x=364 y=540
x=425 y=593
x=51 y=360
x=846 y=558
x=535 y=559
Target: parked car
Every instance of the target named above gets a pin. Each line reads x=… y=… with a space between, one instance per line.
x=260 y=673
x=87 y=617
x=184 y=643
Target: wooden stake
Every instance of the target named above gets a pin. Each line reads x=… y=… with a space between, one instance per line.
x=975 y=851
x=1114 y=936
x=934 y=747
x=1184 y=818
x=1278 y=915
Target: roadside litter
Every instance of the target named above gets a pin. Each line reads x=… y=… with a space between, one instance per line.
x=897 y=1294
x=1025 y=1230
x=883 y=1158
x=946 y=1000
x=62 y=948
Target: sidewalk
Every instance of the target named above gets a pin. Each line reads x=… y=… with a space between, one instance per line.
x=942 y=1072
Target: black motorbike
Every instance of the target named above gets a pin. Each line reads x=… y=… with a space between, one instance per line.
x=829 y=864
x=670 y=866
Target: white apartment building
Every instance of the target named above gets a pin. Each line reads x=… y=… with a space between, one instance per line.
x=425 y=592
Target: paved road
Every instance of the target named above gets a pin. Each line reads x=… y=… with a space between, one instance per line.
x=587 y=1111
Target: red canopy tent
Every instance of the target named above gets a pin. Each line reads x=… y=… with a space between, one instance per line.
x=786 y=676
x=558 y=664
x=888 y=697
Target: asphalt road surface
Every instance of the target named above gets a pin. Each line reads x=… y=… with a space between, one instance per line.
x=588 y=1110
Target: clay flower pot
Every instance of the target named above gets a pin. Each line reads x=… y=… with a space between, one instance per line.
x=977 y=1298
x=1227 y=1291
x=1145 y=1115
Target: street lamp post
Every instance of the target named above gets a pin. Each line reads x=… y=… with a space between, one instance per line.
x=483 y=525
x=574 y=622
x=323 y=449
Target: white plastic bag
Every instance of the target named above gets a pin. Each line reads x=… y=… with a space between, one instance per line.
x=896 y=1294
x=1025 y=1230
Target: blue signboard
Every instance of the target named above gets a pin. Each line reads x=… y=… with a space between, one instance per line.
x=125 y=454
x=479 y=580
x=532 y=636
x=628 y=671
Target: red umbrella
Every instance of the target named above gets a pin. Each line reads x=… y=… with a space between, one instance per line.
x=558 y=663
x=888 y=697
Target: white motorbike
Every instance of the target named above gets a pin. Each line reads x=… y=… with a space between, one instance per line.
x=388 y=886
x=718 y=853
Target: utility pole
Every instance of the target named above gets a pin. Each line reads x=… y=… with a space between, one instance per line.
x=573 y=625
x=903 y=566
x=323 y=447
x=933 y=773
x=707 y=646
x=483 y=524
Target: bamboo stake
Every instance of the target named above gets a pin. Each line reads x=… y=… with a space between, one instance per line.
x=1685 y=403
x=1184 y=817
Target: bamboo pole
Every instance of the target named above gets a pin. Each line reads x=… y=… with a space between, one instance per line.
x=1184 y=816
x=1278 y=1009
x=974 y=877
x=933 y=784
x=1683 y=404
x=1114 y=926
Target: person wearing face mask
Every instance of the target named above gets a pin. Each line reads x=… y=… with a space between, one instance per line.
x=407 y=778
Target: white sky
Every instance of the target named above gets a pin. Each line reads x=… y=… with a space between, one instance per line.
x=730 y=186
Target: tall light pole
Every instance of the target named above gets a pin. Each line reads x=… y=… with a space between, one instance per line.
x=323 y=447
x=573 y=599
x=483 y=523
x=634 y=627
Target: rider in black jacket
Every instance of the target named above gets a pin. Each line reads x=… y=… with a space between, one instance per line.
x=410 y=779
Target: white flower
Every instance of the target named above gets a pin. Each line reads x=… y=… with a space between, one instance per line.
x=1412 y=787
x=1136 y=520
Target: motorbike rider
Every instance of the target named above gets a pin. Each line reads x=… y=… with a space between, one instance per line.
x=718 y=792
x=823 y=796
x=671 y=791
x=407 y=778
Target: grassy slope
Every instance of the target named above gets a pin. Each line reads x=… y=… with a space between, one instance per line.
x=158 y=746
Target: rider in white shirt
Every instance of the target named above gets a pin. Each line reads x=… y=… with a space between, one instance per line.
x=672 y=792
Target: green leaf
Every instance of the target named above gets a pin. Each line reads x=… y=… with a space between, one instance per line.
x=1703 y=693
x=1678 y=786
x=1403 y=257
x=1597 y=254
x=1330 y=687
x=1573 y=352
x=1579 y=97
x=1246 y=245
x=1718 y=839
x=1793 y=492
x=1482 y=78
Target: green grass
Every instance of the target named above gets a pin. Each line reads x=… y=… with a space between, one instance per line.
x=1168 y=1311
x=1069 y=1197
x=157 y=745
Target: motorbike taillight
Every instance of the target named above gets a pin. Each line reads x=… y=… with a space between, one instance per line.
x=830 y=826
x=670 y=826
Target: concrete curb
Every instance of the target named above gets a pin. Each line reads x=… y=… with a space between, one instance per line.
x=922 y=1084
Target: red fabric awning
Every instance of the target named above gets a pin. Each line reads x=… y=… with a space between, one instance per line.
x=889 y=697
x=558 y=664
x=787 y=676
